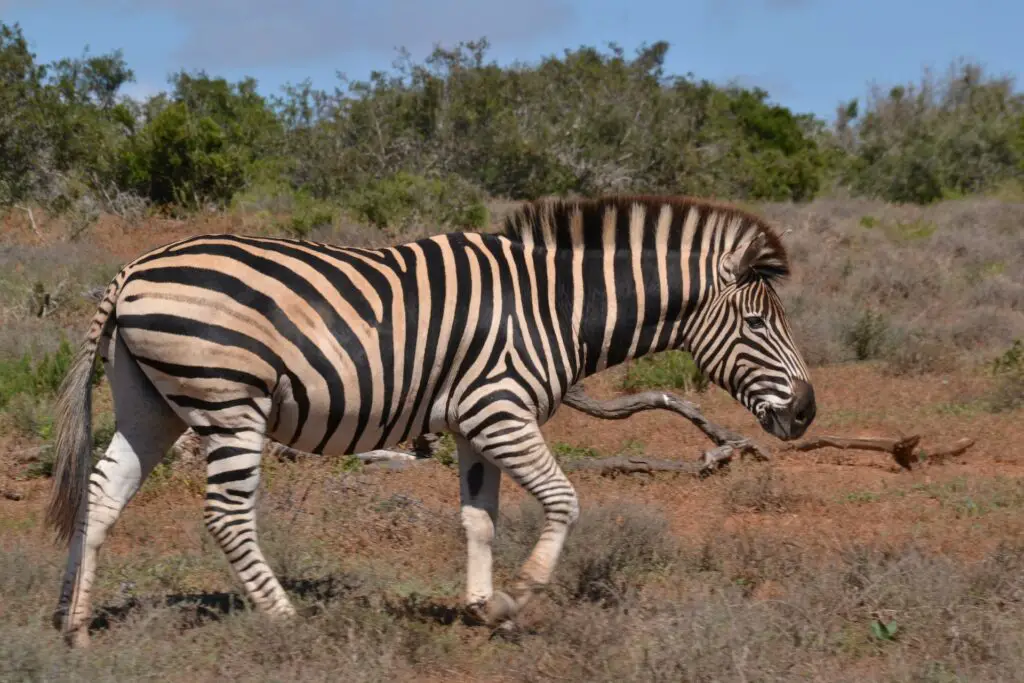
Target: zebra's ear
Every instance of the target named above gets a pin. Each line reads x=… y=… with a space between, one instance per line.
x=740 y=261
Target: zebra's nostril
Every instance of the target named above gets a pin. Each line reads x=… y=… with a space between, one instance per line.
x=803 y=402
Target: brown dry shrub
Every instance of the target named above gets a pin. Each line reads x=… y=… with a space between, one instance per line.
x=609 y=553
x=949 y=273
x=760 y=488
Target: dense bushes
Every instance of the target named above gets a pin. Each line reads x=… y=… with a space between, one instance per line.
x=941 y=139
x=426 y=142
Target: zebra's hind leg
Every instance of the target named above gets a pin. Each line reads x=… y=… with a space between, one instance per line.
x=518 y=448
x=146 y=428
x=233 y=455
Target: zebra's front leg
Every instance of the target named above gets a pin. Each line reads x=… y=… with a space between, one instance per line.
x=479 y=486
x=523 y=454
x=233 y=475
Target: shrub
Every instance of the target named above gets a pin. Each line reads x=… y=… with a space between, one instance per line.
x=613 y=549
x=759 y=489
x=403 y=199
x=36 y=379
x=868 y=335
x=665 y=370
x=917 y=353
x=1008 y=370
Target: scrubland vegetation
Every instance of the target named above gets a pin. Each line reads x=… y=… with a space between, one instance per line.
x=905 y=222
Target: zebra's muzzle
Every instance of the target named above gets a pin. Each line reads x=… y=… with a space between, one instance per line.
x=792 y=421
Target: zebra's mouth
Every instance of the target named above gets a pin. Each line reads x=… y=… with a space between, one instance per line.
x=769 y=420
x=779 y=423
x=790 y=421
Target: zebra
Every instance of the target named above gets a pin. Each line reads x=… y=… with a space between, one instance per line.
x=339 y=350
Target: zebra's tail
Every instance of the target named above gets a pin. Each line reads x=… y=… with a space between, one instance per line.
x=73 y=426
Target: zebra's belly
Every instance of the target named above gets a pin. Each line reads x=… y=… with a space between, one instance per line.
x=330 y=421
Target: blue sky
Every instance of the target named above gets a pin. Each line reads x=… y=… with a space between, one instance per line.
x=809 y=54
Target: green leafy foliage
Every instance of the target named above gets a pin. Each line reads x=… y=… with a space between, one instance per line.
x=939 y=139
x=37 y=379
x=428 y=141
x=1008 y=369
x=665 y=370
x=202 y=143
x=403 y=199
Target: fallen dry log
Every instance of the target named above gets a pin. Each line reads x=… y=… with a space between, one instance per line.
x=905 y=451
x=627 y=406
x=709 y=462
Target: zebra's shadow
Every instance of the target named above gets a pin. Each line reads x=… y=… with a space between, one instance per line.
x=316 y=595
x=197 y=609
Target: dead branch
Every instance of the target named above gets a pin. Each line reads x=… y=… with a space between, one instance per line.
x=627 y=464
x=709 y=462
x=278 y=450
x=904 y=451
x=31 y=219
x=627 y=406
x=95 y=294
x=941 y=454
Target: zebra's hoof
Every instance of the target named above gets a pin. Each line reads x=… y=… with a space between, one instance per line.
x=499 y=609
x=57 y=618
x=77 y=639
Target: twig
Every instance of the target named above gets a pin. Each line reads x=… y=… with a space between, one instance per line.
x=380 y=455
x=628 y=464
x=31 y=219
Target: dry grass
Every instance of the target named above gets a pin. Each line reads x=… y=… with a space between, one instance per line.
x=945 y=280
x=760 y=488
x=629 y=603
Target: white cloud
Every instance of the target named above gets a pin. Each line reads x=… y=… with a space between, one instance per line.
x=248 y=34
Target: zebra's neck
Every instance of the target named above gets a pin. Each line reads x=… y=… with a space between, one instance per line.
x=633 y=274
x=626 y=304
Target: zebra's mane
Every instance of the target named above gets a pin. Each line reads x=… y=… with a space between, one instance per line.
x=550 y=220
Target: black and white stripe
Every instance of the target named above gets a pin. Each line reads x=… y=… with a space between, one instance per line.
x=342 y=350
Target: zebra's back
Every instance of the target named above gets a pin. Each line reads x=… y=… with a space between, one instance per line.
x=340 y=350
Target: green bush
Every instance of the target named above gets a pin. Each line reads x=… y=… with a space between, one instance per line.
x=944 y=138
x=869 y=335
x=424 y=140
x=1008 y=370
x=404 y=199
x=665 y=370
x=39 y=379
x=201 y=144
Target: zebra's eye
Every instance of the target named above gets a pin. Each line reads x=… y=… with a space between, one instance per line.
x=755 y=322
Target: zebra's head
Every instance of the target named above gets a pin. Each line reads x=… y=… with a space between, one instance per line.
x=745 y=345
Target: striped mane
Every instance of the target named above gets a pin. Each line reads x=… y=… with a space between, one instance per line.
x=550 y=221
